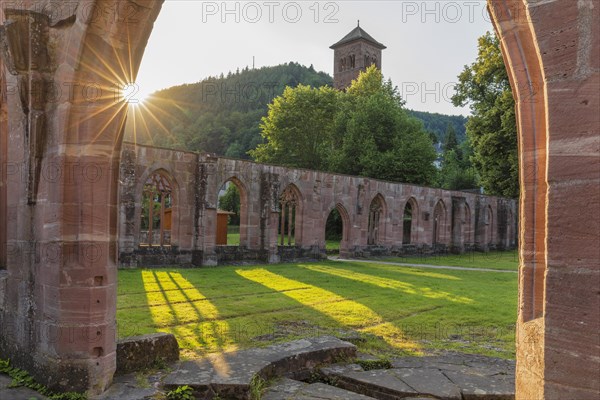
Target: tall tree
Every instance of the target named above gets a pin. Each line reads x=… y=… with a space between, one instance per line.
x=491 y=129
x=364 y=131
x=450 y=140
x=376 y=137
x=457 y=172
x=298 y=128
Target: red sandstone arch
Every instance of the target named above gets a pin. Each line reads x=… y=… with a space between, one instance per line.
x=551 y=50
x=244 y=215
x=175 y=197
x=414 y=222
x=299 y=212
x=346 y=226
x=3 y=155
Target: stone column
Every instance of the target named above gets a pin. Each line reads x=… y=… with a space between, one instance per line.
x=65 y=123
x=269 y=217
x=207 y=211
x=552 y=51
x=458 y=225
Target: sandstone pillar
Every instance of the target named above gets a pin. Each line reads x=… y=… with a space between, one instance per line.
x=65 y=122
x=552 y=51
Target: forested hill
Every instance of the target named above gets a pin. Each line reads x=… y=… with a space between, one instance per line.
x=438 y=124
x=222 y=114
x=219 y=114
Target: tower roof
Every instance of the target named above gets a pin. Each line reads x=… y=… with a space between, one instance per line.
x=357 y=34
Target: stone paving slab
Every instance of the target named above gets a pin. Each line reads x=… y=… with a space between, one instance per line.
x=429 y=381
x=287 y=389
x=128 y=387
x=230 y=374
x=452 y=376
x=497 y=387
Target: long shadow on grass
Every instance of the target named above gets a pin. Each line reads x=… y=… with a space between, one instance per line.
x=213 y=310
x=397 y=300
x=345 y=310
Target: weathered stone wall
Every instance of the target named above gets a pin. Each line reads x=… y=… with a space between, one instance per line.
x=57 y=314
x=137 y=164
x=61 y=146
x=468 y=221
x=552 y=52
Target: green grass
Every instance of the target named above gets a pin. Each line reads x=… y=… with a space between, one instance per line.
x=233 y=235
x=332 y=244
x=504 y=260
x=399 y=310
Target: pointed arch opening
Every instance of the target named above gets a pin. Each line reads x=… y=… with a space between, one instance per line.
x=290 y=217
x=336 y=230
x=410 y=222
x=156 y=217
x=232 y=226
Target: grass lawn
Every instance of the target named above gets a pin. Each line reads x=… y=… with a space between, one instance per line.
x=399 y=310
x=233 y=235
x=505 y=260
x=332 y=244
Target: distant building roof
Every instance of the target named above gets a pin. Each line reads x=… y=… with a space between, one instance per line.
x=356 y=34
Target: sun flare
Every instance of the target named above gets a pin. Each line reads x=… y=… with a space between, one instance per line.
x=132 y=95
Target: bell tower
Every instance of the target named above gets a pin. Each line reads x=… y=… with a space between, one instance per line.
x=354 y=53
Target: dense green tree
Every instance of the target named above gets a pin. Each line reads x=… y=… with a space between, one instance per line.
x=364 y=131
x=437 y=124
x=230 y=201
x=376 y=136
x=491 y=130
x=298 y=128
x=450 y=140
x=222 y=114
x=456 y=172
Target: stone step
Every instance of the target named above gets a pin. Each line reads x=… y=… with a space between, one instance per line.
x=452 y=377
x=230 y=375
x=288 y=389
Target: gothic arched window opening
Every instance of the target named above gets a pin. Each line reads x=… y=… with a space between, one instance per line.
x=156 y=215
x=289 y=202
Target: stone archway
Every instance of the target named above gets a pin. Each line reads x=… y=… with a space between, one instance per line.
x=60 y=324
x=242 y=189
x=410 y=222
x=551 y=50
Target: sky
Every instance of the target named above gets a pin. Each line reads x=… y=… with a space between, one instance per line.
x=428 y=42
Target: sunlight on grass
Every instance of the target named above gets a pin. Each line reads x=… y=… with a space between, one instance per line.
x=389 y=283
x=396 y=309
x=175 y=309
x=345 y=311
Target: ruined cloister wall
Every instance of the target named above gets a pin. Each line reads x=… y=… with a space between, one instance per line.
x=197 y=178
x=58 y=313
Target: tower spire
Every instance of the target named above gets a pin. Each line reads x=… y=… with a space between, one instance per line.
x=359 y=23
